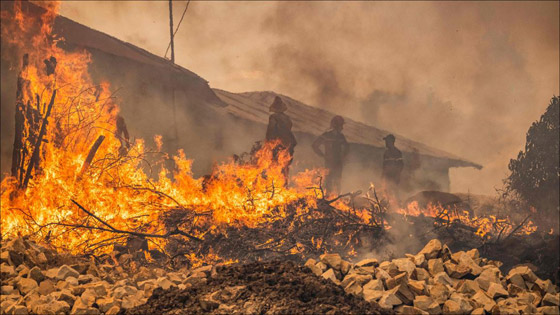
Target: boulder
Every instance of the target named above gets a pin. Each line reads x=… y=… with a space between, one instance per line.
x=345 y=267
x=526 y=309
x=165 y=283
x=7 y=290
x=46 y=287
x=432 y=249
x=55 y=307
x=360 y=279
x=382 y=274
x=321 y=265
x=420 y=274
x=443 y=278
x=503 y=309
x=487 y=276
x=404 y=294
x=65 y=296
x=353 y=288
x=7 y=271
x=396 y=280
x=464 y=306
x=332 y=260
x=405 y=309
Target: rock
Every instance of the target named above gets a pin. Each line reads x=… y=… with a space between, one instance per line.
x=443 y=278
x=423 y=302
x=432 y=249
x=420 y=260
x=420 y=274
x=524 y=271
x=548 y=310
x=7 y=271
x=81 y=308
x=487 y=276
x=121 y=292
x=370 y=262
x=405 y=309
x=364 y=270
x=6 y=289
x=329 y=275
x=551 y=300
x=526 y=298
x=17 y=310
x=374 y=284
x=99 y=287
x=418 y=287
x=5 y=257
x=439 y=292
x=131 y=301
x=345 y=267
x=514 y=290
x=65 y=296
x=146 y=285
x=36 y=274
x=196 y=279
x=451 y=307
x=405 y=265
x=372 y=295
x=464 y=306
x=382 y=274
x=113 y=310
x=72 y=282
x=25 y=285
x=468 y=287
x=496 y=290
x=517 y=279
x=310 y=262
x=404 y=294
x=526 y=309
x=321 y=265
x=389 y=299
x=360 y=279
x=46 y=287
x=207 y=303
x=88 y=297
x=164 y=283
x=55 y=307
x=353 y=288
x=85 y=279
x=396 y=280
x=483 y=300
x=502 y=309
x=332 y=260
x=435 y=266
x=205 y=269
x=456 y=271
x=65 y=271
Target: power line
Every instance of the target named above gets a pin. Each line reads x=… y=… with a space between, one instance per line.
x=178 y=25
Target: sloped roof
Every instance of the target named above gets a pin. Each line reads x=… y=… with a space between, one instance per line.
x=312 y=120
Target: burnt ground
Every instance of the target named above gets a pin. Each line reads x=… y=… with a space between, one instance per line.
x=277 y=287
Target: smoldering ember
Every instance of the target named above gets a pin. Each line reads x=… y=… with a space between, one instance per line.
x=131 y=186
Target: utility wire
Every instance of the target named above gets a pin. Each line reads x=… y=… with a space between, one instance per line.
x=179 y=24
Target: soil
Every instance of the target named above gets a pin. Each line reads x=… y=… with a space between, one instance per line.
x=277 y=287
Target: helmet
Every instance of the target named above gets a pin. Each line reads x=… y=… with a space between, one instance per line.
x=337 y=121
x=278 y=106
x=389 y=137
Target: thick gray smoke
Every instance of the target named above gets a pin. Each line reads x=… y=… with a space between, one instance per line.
x=466 y=77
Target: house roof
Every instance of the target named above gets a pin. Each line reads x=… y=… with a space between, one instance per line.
x=312 y=120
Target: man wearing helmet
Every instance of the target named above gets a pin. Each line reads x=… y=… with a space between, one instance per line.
x=392 y=168
x=280 y=128
x=335 y=151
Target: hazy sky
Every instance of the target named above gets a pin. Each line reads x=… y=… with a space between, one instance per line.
x=465 y=77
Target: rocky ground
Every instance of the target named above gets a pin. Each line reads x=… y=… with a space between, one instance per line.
x=37 y=280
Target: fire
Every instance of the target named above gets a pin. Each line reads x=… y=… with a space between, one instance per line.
x=117 y=189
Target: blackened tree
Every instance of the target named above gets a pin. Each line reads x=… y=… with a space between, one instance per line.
x=534 y=174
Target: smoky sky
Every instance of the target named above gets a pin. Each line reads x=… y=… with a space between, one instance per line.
x=465 y=77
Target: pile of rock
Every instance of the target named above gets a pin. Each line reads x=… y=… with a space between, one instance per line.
x=437 y=281
x=84 y=287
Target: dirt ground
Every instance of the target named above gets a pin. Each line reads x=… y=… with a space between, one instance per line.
x=259 y=288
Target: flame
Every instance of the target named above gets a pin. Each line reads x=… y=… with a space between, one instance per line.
x=117 y=189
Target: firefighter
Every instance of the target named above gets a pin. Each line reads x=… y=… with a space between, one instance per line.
x=392 y=168
x=334 y=152
x=280 y=128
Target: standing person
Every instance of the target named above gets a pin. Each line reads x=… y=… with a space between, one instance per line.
x=280 y=128
x=392 y=168
x=335 y=150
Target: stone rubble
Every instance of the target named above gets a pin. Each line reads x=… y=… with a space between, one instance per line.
x=437 y=281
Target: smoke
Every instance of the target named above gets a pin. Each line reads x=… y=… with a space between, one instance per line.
x=465 y=77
